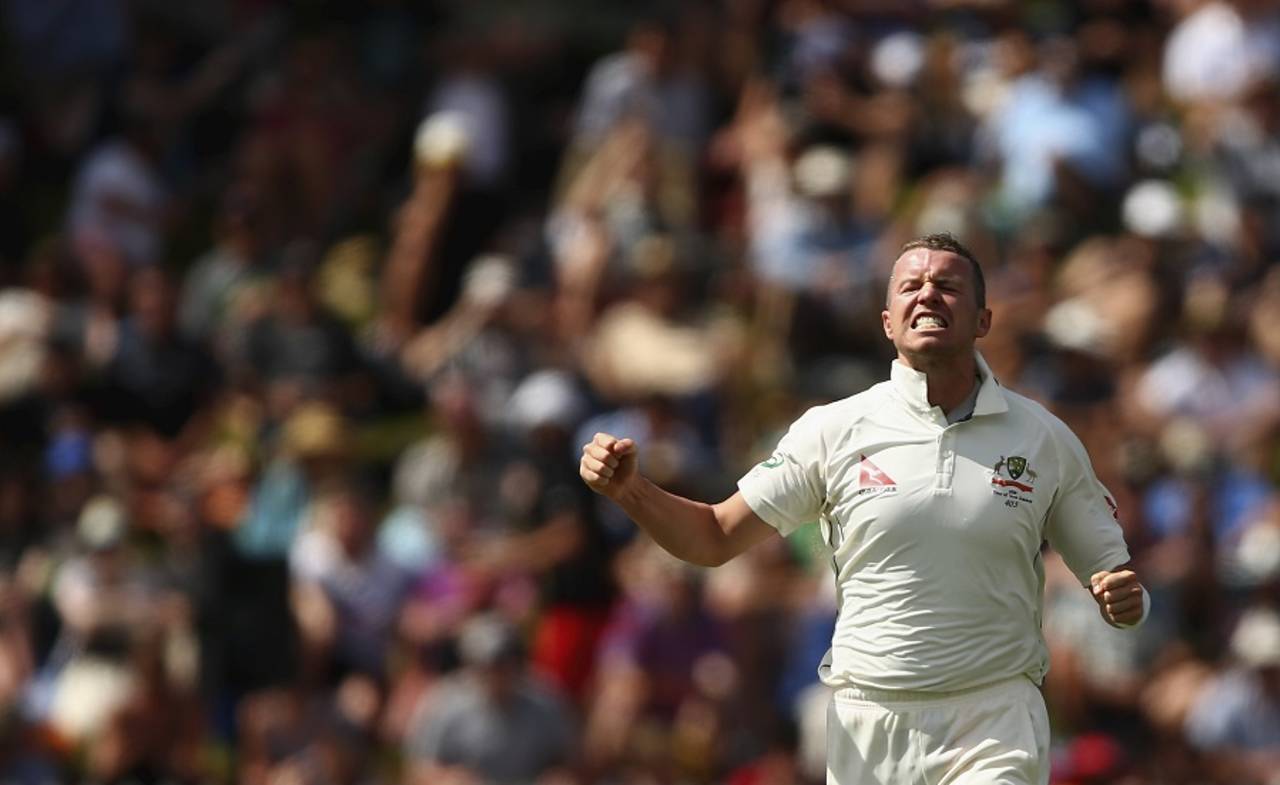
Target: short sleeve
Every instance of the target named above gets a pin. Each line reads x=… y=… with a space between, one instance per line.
x=425 y=740
x=1083 y=523
x=788 y=489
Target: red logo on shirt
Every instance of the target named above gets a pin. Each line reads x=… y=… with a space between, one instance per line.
x=872 y=476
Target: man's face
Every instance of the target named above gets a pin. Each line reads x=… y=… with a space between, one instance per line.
x=932 y=311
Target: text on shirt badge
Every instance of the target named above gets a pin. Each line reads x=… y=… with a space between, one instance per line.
x=1013 y=479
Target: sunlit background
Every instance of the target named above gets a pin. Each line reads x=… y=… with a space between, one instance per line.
x=307 y=307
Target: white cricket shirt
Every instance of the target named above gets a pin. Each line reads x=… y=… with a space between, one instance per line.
x=935 y=530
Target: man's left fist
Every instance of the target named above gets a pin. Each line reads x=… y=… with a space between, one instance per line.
x=1119 y=596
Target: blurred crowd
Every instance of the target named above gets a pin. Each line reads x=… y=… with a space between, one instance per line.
x=307 y=307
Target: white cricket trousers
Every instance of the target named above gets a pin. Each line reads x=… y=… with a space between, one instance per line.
x=992 y=735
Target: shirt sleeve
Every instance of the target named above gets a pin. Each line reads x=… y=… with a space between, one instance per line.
x=1083 y=522
x=788 y=489
x=425 y=740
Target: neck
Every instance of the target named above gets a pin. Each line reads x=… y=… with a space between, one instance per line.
x=949 y=379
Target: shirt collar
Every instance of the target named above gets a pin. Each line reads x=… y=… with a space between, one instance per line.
x=913 y=387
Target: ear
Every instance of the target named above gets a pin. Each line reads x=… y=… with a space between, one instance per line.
x=887 y=323
x=984 y=322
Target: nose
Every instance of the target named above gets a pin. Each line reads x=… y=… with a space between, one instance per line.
x=929 y=293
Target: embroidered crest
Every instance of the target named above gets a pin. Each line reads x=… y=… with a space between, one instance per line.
x=1013 y=479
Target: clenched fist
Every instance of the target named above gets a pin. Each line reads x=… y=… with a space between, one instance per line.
x=609 y=464
x=1119 y=596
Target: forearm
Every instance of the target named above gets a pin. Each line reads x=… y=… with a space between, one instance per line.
x=686 y=529
x=409 y=263
x=704 y=534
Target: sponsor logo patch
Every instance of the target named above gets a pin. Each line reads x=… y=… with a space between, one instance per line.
x=873 y=480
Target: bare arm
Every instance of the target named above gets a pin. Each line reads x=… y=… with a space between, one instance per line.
x=705 y=534
x=410 y=267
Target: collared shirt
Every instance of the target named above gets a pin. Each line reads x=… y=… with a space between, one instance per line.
x=935 y=529
x=964 y=409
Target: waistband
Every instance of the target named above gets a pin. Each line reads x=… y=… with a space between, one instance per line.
x=856 y=694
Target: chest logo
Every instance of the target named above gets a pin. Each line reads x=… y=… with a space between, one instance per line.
x=1013 y=479
x=872 y=479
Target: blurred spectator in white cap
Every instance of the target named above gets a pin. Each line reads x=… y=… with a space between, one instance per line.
x=811 y=229
x=645 y=81
x=805 y=233
x=470 y=92
x=1058 y=126
x=1252 y=559
x=1210 y=374
x=1219 y=49
x=551 y=533
x=120 y=194
x=1235 y=720
x=106 y=601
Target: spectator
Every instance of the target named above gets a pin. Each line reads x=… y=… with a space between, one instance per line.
x=644 y=82
x=245 y=276
x=348 y=592
x=120 y=194
x=215 y=288
x=298 y=350
x=1220 y=49
x=1236 y=718
x=492 y=721
x=159 y=378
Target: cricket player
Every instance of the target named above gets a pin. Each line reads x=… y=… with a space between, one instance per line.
x=934 y=491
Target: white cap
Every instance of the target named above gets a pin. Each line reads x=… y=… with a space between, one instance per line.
x=102 y=523
x=1075 y=325
x=489 y=279
x=823 y=171
x=1256 y=640
x=1153 y=208
x=547 y=397
x=442 y=139
x=1257 y=553
x=490 y=640
x=1217 y=218
x=897 y=58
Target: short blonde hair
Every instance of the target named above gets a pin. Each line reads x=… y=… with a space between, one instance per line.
x=945 y=241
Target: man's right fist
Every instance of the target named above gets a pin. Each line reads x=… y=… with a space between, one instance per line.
x=608 y=464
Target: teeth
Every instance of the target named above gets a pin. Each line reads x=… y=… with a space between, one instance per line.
x=928 y=321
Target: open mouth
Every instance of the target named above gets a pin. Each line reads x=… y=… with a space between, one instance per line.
x=928 y=321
